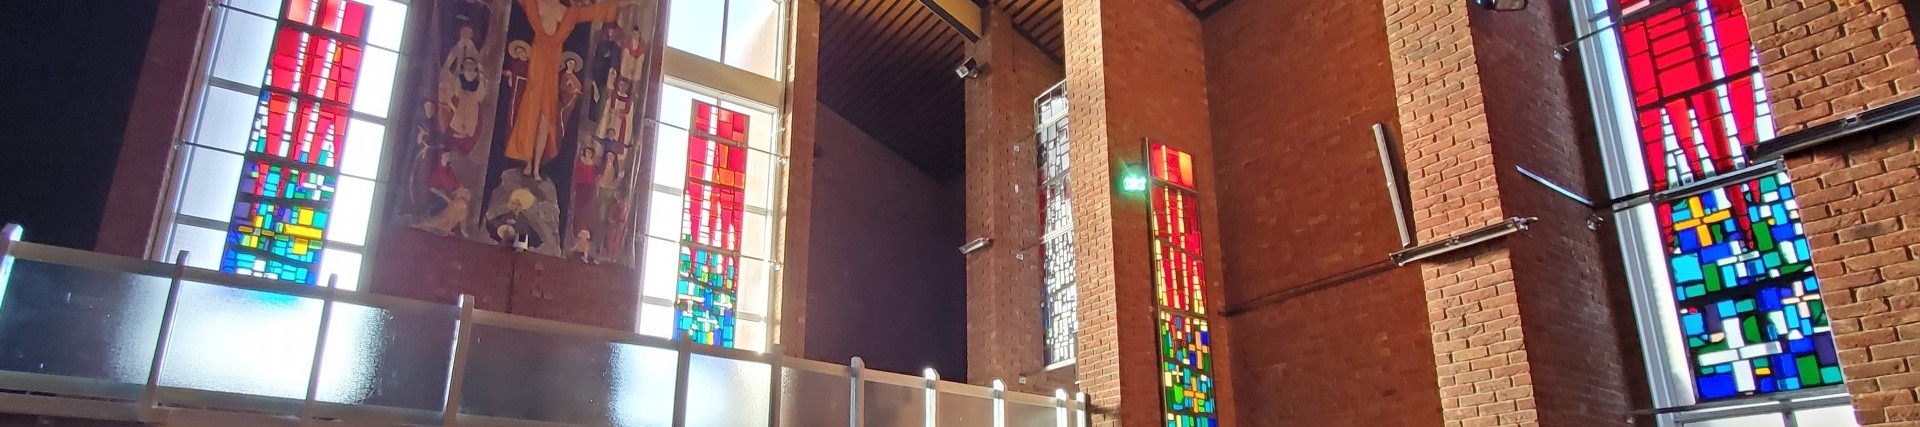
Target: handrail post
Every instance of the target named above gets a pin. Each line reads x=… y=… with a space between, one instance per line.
x=774 y=362
x=857 y=393
x=1060 y=408
x=8 y=235
x=999 y=394
x=933 y=393
x=682 y=378
x=148 y=397
x=457 y=369
x=319 y=350
x=1080 y=409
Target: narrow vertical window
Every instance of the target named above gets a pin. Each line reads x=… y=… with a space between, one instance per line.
x=1179 y=284
x=710 y=233
x=1060 y=306
x=1734 y=306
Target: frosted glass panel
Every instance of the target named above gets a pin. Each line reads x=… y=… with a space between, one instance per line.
x=642 y=386
x=753 y=336
x=656 y=320
x=203 y=245
x=352 y=207
x=892 y=405
x=809 y=399
x=389 y=18
x=727 y=393
x=760 y=174
x=756 y=237
x=670 y=160
x=61 y=320
x=245 y=40
x=753 y=286
x=365 y=142
x=226 y=119
x=659 y=272
x=676 y=104
x=212 y=179
x=342 y=263
x=694 y=27
x=958 y=410
x=1763 y=420
x=1835 y=416
x=753 y=36
x=241 y=341
x=534 y=376
x=385 y=358
x=1022 y=415
x=663 y=215
x=376 y=82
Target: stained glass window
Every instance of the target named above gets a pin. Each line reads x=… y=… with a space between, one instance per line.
x=710 y=232
x=292 y=160
x=1748 y=306
x=1179 y=284
x=1061 y=304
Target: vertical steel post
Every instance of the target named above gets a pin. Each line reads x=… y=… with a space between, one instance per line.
x=774 y=362
x=999 y=403
x=457 y=369
x=1060 y=408
x=1080 y=410
x=149 y=398
x=682 y=378
x=319 y=349
x=933 y=393
x=1394 y=193
x=8 y=235
x=857 y=402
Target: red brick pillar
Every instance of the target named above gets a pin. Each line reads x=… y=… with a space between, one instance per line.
x=1527 y=329
x=1005 y=328
x=140 y=175
x=1860 y=196
x=802 y=106
x=1135 y=70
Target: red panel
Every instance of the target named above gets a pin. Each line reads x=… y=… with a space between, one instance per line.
x=1693 y=88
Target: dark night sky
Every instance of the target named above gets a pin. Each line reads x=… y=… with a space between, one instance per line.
x=68 y=69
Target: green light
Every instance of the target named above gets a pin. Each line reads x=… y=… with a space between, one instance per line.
x=1133 y=183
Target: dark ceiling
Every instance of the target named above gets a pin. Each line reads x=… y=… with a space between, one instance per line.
x=887 y=66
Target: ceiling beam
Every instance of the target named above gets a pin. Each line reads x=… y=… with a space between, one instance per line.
x=963 y=15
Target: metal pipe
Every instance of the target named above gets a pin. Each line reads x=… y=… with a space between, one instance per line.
x=319 y=350
x=681 y=371
x=148 y=397
x=457 y=369
x=775 y=362
x=857 y=384
x=1391 y=168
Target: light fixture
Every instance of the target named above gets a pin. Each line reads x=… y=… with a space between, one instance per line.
x=968 y=69
x=974 y=245
x=1499 y=5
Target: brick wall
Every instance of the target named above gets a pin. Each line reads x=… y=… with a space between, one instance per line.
x=139 y=181
x=1006 y=328
x=415 y=264
x=889 y=287
x=1826 y=59
x=802 y=109
x=1356 y=354
x=1135 y=70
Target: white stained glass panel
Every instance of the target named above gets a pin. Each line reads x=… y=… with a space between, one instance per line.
x=760 y=127
x=663 y=216
x=670 y=159
x=244 y=42
x=376 y=82
x=656 y=320
x=660 y=270
x=345 y=264
x=361 y=155
x=754 y=284
x=226 y=119
x=750 y=336
x=762 y=171
x=352 y=208
x=270 y=8
x=213 y=178
x=204 y=246
x=753 y=36
x=694 y=27
x=389 y=18
x=676 y=105
x=756 y=239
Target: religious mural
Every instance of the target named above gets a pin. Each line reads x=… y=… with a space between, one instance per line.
x=527 y=124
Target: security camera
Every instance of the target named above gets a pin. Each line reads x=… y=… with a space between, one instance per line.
x=968 y=69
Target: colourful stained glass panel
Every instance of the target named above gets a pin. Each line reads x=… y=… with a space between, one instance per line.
x=286 y=189
x=1060 y=307
x=710 y=229
x=1695 y=83
x=1186 y=354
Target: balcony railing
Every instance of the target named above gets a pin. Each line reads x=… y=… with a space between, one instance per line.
x=91 y=335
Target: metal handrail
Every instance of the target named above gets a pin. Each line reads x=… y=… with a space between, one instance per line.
x=157 y=402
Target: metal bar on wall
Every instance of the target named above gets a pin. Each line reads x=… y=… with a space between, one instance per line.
x=1391 y=168
x=457 y=369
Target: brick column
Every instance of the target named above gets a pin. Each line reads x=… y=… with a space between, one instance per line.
x=141 y=172
x=1005 y=328
x=1859 y=197
x=802 y=106
x=1135 y=70
x=1528 y=329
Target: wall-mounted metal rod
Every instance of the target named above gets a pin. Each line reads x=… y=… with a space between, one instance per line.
x=1392 y=170
x=1463 y=240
